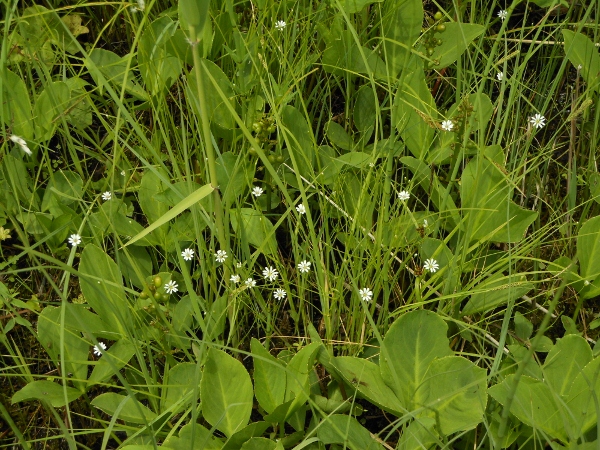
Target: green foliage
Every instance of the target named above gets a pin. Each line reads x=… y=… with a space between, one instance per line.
x=188 y=190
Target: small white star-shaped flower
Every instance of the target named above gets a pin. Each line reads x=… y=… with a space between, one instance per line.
x=431 y=265
x=171 y=287
x=425 y=223
x=304 y=266
x=238 y=264
x=21 y=143
x=257 y=191
x=235 y=279
x=280 y=25
x=537 y=120
x=503 y=14
x=500 y=76
x=279 y=294
x=122 y=172
x=270 y=273
x=250 y=282
x=366 y=294
x=188 y=254
x=301 y=208
x=74 y=240
x=447 y=125
x=221 y=256
x=106 y=196
x=99 y=349
x=403 y=195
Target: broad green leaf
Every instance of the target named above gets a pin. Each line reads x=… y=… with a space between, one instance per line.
x=365 y=377
x=588 y=249
x=354 y=159
x=365 y=112
x=193 y=14
x=481 y=114
x=581 y=51
x=255 y=228
x=255 y=429
x=79 y=112
x=217 y=110
x=64 y=187
x=338 y=136
x=102 y=286
x=46 y=391
x=354 y=6
x=344 y=56
x=111 y=361
x=75 y=349
x=410 y=345
x=16 y=105
x=346 y=430
x=297 y=386
x=523 y=327
x=184 y=204
x=159 y=68
x=416 y=113
x=226 y=393
x=418 y=435
x=402 y=21
x=232 y=175
x=565 y=361
x=259 y=443
x=193 y=436
x=455 y=41
x=80 y=318
x=150 y=187
x=269 y=377
x=124 y=407
x=180 y=383
x=300 y=140
x=49 y=108
x=454 y=393
x=486 y=197
x=37 y=27
x=582 y=396
x=533 y=404
x=497 y=290
x=16 y=175
x=113 y=69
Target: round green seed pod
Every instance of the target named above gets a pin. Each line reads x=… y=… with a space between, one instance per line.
x=438 y=42
x=252 y=152
x=441 y=28
x=143 y=295
x=438 y=15
x=271 y=158
x=280 y=158
x=430 y=51
x=157 y=295
x=157 y=281
x=165 y=297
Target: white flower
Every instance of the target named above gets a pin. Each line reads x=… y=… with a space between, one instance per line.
x=537 y=120
x=366 y=294
x=280 y=25
x=279 y=294
x=221 y=256
x=403 y=195
x=447 y=125
x=21 y=143
x=171 y=287
x=270 y=273
x=425 y=223
x=140 y=7
x=235 y=279
x=371 y=164
x=257 y=191
x=250 y=282
x=431 y=265
x=188 y=254
x=107 y=196
x=122 y=172
x=579 y=67
x=238 y=264
x=301 y=208
x=74 y=240
x=500 y=76
x=304 y=266
x=98 y=349
x=503 y=14
x=586 y=283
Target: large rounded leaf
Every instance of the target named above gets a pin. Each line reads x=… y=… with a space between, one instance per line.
x=565 y=361
x=455 y=393
x=226 y=393
x=102 y=286
x=588 y=248
x=46 y=391
x=251 y=225
x=410 y=345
